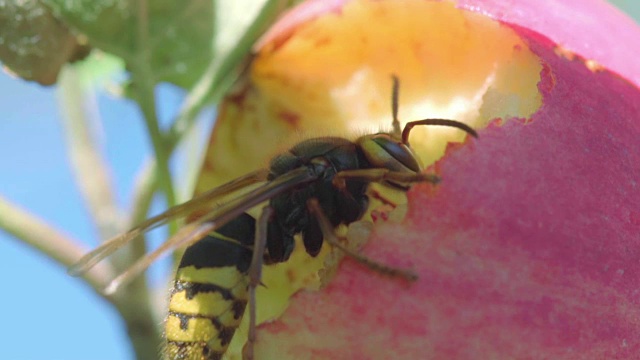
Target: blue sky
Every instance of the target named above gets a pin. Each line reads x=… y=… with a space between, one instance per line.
x=46 y=313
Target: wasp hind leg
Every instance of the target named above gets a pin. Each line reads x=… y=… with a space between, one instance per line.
x=255 y=276
x=330 y=237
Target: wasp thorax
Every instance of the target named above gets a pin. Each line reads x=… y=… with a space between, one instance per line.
x=384 y=151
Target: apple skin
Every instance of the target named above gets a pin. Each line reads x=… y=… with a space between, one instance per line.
x=595 y=29
x=530 y=246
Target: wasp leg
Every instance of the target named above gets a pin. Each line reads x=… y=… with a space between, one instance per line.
x=255 y=276
x=381 y=174
x=332 y=239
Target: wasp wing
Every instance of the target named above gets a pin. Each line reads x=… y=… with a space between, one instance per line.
x=193 y=232
x=110 y=246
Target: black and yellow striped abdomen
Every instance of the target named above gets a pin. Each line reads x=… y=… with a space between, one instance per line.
x=210 y=293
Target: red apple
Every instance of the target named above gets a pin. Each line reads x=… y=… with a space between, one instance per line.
x=530 y=246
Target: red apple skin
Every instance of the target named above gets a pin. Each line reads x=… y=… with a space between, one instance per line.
x=528 y=249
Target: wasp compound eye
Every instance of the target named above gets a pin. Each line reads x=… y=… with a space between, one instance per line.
x=383 y=151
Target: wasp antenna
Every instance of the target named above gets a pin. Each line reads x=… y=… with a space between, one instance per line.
x=437 y=122
x=394 y=104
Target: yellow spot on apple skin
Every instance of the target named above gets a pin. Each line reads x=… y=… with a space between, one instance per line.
x=564 y=52
x=332 y=76
x=594 y=66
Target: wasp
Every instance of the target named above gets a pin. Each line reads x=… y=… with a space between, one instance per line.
x=317 y=185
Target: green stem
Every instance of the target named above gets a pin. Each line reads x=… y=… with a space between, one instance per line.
x=144 y=82
x=51 y=242
x=147 y=103
x=145 y=184
x=134 y=302
x=150 y=174
x=92 y=173
x=135 y=305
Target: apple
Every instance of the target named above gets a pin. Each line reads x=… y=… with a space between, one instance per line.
x=529 y=248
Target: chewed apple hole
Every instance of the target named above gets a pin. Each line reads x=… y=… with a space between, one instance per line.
x=331 y=75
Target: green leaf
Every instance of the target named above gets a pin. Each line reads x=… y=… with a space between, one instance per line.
x=238 y=25
x=33 y=44
x=101 y=70
x=178 y=40
x=173 y=36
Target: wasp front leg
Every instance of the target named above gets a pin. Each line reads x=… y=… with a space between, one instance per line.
x=331 y=238
x=382 y=175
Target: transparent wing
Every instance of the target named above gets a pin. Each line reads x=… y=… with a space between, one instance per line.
x=192 y=232
x=110 y=246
